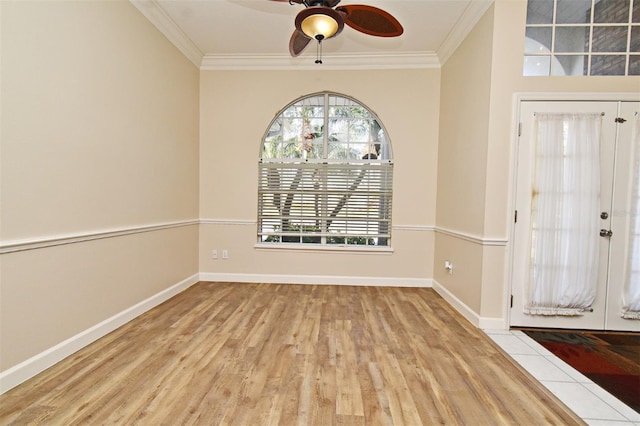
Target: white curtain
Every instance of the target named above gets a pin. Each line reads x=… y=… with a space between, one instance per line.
x=565 y=214
x=631 y=297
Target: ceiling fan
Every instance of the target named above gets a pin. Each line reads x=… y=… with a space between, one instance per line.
x=321 y=20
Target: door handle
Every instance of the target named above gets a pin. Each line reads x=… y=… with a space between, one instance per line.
x=606 y=232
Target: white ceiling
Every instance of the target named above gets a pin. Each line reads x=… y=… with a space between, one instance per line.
x=246 y=33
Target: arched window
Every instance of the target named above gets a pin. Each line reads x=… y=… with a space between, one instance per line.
x=325 y=175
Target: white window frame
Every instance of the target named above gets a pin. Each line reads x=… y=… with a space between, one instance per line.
x=325 y=181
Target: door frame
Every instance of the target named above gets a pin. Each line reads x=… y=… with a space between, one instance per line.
x=518 y=98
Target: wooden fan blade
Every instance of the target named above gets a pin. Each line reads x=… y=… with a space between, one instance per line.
x=370 y=20
x=298 y=43
x=330 y=3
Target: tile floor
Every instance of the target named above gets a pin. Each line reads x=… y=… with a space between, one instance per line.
x=596 y=406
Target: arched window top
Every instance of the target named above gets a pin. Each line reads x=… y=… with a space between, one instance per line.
x=326 y=127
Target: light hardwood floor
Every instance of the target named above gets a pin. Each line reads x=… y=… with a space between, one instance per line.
x=265 y=354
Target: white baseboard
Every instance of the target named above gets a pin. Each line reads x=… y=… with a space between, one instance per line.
x=38 y=363
x=489 y=323
x=484 y=323
x=316 y=279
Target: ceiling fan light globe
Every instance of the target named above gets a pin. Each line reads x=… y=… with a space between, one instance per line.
x=318 y=21
x=319 y=24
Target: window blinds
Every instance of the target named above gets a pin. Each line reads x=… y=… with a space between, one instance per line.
x=325 y=203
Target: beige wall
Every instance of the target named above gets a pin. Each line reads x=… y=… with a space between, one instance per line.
x=464 y=115
x=236 y=110
x=52 y=294
x=462 y=159
x=99 y=133
x=487 y=220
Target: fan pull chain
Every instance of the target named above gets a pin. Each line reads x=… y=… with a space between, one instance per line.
x=319 y=37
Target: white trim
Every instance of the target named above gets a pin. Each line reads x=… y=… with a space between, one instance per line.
x=398 y=60
x=210 y=221
x=468 y=313
x=468 y=20
x=402 y=60
x=573 y=97
x=316 y=279
x=414 y=228
x=418 y=228
x=488 y=323
x=457 y=304
x=473 y=238
x=228 y=222
x=352 y=248
x=19 y=373
x=57 y=240
x=159 y=18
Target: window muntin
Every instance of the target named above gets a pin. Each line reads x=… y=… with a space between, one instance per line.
x=325 y=175
x=582 y=37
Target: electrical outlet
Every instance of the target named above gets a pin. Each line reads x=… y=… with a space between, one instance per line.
x=448 y=266
x=214 y=254
x=225 y=254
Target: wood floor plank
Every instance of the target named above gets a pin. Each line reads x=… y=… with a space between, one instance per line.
x=265 y=354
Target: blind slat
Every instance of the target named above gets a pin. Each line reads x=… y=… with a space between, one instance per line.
x=330 y=202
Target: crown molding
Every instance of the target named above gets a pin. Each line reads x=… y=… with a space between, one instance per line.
x=159 y=18
x=470 y=17
x=405 y=60
x=402 y=60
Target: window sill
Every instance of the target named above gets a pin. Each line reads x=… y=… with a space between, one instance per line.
x=325 y=248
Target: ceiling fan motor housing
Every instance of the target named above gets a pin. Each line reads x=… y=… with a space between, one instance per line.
x=325 y=3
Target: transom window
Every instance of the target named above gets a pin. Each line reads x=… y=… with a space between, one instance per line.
x=325 y=175
x=582 y=37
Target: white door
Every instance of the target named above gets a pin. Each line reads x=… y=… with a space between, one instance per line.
x=531 y=244
x=624 y=267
